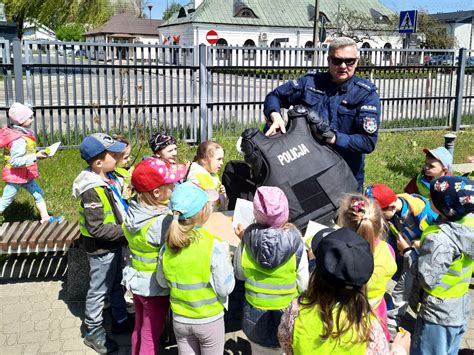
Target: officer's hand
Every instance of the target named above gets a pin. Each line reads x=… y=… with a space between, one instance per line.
x=278 y=124
x=324 y=133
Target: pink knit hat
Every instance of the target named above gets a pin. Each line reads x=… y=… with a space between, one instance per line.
x=19 y=113
x=270 y=206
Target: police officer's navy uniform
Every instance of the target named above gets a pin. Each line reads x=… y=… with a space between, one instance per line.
x=352 y=110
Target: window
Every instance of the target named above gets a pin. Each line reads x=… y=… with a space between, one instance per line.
x=387 y=54
x=275 y=54
x=246 y=13
x=249 y=54
x=365 y=55
x=222 y=54
x=308 y=54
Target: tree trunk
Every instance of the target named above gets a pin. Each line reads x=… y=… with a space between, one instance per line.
x=20 y=20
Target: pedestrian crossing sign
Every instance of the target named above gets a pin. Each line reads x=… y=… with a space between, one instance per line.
x=407 y=22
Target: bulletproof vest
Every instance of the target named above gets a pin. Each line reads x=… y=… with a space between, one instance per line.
x=313 y=176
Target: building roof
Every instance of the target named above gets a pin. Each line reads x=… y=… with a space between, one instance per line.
x=273 y=13
x=127 y=23
x=458 y=16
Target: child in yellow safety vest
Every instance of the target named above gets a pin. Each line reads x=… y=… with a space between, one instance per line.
x=443 y=265
x=21 y=170
x=438 y=162
x=101 y=216
x=334 y=316
x=196 y=267
x=272 y=261
x=145 y=227
x=204 y=170
x=409 y=215
x=364 y=217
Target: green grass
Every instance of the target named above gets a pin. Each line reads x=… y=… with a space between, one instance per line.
x=397 y=158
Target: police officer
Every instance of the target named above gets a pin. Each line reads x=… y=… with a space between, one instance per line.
x=350 y=106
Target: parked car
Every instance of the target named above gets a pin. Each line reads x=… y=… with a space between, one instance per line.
x=470 y=61
x=441 y=59
x=66 y=50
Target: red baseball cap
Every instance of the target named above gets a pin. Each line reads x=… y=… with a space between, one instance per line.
x=381 y=193
x=151 y=173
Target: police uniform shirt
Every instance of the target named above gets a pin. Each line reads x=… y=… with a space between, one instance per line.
x=352 y=110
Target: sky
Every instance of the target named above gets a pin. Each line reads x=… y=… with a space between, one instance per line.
x=431 y=6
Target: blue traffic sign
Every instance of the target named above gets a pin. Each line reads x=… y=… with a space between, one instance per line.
x=407 y=22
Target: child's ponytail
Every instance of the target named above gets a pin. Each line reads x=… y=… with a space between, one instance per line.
x=180 y=233
x=363 y=216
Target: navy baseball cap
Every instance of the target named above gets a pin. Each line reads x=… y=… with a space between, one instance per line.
x=344 y=259
x=98 y=143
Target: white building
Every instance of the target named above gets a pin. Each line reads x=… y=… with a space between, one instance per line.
x=459 y=25
x=36 y=32
x=274 y=23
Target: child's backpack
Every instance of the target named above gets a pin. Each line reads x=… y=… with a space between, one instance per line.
x=313 y=176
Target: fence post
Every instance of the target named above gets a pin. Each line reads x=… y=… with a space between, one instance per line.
x=18 y=70
x=456 y=124
x=203 y=91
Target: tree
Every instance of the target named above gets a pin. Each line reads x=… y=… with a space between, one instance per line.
x=70 y=32
x=430 y=32
x=53 y=13
x=434 y=32
x=171 y=10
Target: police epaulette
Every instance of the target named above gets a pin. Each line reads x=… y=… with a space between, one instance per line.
x=366 y=86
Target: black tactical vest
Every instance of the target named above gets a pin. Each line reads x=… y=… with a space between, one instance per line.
x=313 y=176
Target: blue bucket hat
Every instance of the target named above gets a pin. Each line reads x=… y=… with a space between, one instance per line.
x=453 y=196
x=188 y=199
x=98 y=143
x=443 y=155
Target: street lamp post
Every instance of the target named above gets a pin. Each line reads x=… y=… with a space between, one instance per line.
x=150 y=6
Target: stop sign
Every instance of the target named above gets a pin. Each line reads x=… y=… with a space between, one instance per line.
x=212 y=37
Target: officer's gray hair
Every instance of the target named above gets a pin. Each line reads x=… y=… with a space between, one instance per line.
x=340 y=42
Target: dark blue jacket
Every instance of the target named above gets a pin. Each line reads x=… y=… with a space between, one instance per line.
x=352 y=110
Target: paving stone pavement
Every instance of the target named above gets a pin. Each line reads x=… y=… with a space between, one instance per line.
x=36 y=319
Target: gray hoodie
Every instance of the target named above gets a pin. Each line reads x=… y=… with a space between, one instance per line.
x=437 y=253
x=138 y=216
x=106 y=237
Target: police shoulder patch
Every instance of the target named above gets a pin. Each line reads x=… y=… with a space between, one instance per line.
x=370 y=125
x=368 y=108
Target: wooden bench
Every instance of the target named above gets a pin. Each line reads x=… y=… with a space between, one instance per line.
x=30 y=248
x=34 y=237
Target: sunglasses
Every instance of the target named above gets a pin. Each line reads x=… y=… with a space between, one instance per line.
x=338 y=61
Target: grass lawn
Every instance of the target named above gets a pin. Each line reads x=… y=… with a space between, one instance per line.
x=397 y=158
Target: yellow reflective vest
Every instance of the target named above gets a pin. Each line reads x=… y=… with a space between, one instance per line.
x=307 y=335
x=109 y=216
x=144 y=255
x=455 y=283
x=269 y=289
x=188 y=273
x=384 y=268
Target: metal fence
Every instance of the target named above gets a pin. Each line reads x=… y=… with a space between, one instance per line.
x=79 y=88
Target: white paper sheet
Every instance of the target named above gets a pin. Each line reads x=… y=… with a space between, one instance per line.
x=243 y=213
x=53 y=148
x=315 y=227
